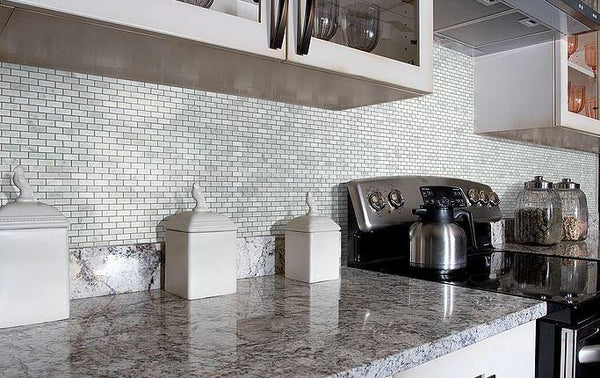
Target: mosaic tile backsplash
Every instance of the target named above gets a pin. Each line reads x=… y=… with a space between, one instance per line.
x=118 y=157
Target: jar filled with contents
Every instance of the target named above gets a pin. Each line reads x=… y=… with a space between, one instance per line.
x=574 y=210
x=538 y=215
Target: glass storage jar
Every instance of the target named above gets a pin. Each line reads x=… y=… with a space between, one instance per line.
x=538 y=215
x=574 y=210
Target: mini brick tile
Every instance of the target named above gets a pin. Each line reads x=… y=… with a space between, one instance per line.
x=118 y=157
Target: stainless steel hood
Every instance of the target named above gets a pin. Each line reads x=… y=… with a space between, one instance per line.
x=480 y=27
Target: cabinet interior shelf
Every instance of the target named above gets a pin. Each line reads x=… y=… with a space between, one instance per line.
x=584 y=70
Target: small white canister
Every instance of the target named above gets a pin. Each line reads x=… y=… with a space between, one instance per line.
x=200 y=256
x=34 y=260
x=312 y=247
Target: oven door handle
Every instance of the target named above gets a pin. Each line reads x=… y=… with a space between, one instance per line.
x=589 y=354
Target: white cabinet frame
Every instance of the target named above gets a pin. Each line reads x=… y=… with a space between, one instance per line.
x=348 y=61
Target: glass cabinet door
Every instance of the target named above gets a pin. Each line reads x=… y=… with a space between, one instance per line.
x=582 y=74
x=249 y=10
x=252 y=26
x=383 y=40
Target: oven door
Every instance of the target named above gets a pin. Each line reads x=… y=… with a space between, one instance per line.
x=580 y=351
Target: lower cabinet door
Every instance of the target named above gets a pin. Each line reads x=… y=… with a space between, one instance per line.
x=510 y=354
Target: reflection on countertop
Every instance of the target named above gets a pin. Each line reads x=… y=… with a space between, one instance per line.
x=367 y=323
x=586 y=249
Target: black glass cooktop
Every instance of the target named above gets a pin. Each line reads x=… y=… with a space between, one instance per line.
x=565 y=281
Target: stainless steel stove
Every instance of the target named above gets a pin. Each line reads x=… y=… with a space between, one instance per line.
x=380 y=214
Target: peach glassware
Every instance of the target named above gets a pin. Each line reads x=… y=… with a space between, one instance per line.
x=573 y=42
x=576 y=98
x=591 y=56
x=591 y=108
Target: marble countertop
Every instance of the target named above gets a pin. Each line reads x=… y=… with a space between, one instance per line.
x=366 y=324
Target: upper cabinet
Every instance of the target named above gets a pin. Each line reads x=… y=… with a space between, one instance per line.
x=242 y=25
x=333 y=54
x=387 y=41
x=545 y=94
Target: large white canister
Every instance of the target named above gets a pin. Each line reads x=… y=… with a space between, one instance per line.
x=312 y=247
x=34 y=260
x=200 y=256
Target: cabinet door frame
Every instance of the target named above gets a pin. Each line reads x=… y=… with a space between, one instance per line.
x=348 y=61
x=563 y=117
x=173 y=18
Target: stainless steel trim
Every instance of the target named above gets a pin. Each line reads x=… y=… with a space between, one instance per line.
x=475 y=21
x=567 y=351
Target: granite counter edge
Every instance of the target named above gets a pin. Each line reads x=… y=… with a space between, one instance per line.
x=396 y=363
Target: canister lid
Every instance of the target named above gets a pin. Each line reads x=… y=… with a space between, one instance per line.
x=200 y=219
x=27 y=212
x=566 y=183
x=538 y=183
x=312 y=221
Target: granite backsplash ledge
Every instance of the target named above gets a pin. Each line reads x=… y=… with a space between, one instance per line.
x=130 y=268
x=139 y=267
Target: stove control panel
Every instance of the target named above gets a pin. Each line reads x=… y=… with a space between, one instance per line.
x=445 y=195
x=387 y=201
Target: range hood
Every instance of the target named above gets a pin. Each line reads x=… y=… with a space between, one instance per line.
x=481 y=27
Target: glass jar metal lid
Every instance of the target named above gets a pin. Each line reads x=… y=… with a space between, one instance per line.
x=538 y=182
x=566 y=183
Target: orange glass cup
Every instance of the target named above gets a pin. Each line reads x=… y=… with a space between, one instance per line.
x=591 y=56
x=591 y=107
x=572 y=43
x=576 y=98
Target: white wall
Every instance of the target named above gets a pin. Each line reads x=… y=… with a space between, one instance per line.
x=117 y=157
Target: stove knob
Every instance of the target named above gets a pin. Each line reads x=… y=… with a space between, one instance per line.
x=376 y=201
x=473 y=196
x=494 y=199
x=484 y=197
x=396 y=199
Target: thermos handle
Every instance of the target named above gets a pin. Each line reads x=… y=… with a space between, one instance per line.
x=467 y=214
x=419 y=212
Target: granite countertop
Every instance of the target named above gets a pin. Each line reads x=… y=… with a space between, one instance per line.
x=367 y=324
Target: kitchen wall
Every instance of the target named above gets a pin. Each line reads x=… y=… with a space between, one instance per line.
x=118 y=157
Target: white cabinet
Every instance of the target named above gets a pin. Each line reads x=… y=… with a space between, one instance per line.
x=510 y=354
x=381 y=40
x=523 y=94
x=235 y=24
x=234 y=46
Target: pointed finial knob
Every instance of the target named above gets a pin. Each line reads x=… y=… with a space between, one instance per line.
x=312 y=206
x=199 y=197
x=25 y=190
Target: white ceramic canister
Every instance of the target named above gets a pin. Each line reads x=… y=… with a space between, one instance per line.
x=34 y=260
x=312 y=247
x=200 y=256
